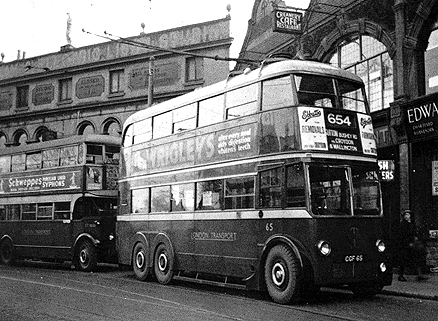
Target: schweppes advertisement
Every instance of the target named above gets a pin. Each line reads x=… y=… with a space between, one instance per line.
x=38 y=183
x=336 y=131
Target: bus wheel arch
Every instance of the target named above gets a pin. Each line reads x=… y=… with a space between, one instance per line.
x=141 y=258
x=164 y=259
x=85 y=253
x=6 y=251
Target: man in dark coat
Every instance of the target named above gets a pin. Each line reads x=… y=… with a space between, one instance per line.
x=410 y=254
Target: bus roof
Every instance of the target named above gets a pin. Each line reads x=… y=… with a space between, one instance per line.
x=76 y=139
x=266 y=71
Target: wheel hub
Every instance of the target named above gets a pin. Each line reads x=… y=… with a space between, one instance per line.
x=162 y=262
x=278 y=274
x=140 y=259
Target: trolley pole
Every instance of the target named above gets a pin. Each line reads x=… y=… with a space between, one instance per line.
x=151 y=81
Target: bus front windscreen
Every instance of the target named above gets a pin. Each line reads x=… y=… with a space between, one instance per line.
x=330 y=92
x=330 y=190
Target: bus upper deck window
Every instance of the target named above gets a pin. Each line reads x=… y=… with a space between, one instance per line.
x=277 y=93
x=94 y=154
x=352 y=96
x=315 y=90
x=5 y=164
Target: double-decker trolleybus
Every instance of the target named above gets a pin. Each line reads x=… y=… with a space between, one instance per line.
x=268 y=180
x=58 y=200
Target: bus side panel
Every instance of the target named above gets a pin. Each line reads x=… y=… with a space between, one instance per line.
x=40 y=239
x=125 y=232
x=227 y=247
x=180 y=233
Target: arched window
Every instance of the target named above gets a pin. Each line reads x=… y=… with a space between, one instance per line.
x=431 y=62
x=43 y=134
x=20 y=138
x=3 y=140
x=112 y=127
x=369 y=59
x=86 y=128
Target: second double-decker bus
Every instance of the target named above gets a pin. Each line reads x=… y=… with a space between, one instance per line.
x=58 y=200
x=268 y=181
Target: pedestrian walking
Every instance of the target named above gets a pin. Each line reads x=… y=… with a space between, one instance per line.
x=411 y=249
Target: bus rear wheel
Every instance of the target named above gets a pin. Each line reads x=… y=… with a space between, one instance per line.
x=163 y=264
x=86 y=256
x=6 y=252
x=140 y=262
x=282 y=274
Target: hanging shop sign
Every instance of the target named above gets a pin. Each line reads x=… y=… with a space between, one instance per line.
x=421 y=117
x=288 y=21
x=386 y=169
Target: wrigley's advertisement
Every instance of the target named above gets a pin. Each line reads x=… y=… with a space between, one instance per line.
x=336 y=130
x=225 y=144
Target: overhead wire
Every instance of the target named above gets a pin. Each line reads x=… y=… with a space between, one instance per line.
x=169 y=50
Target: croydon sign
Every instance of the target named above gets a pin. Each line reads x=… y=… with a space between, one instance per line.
x=288 y=21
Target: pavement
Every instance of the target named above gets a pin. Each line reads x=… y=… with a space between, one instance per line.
x=413 y=288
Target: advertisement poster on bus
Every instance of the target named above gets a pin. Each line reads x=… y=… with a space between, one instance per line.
x=231 y=143
x=94 y=178
x=336 y=130
x=38 y=183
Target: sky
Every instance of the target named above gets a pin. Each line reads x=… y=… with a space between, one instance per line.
x=38 y=27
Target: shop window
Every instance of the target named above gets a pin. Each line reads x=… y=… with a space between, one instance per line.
x=65 y=90
x=369 y=59
x=22 y=97
x=431 y=62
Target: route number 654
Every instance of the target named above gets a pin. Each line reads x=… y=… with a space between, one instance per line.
x=339 y=120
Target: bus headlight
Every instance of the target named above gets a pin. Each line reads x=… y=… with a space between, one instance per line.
x=381 y=247
x=111 y=237
x=383 y=267
x=324 y=248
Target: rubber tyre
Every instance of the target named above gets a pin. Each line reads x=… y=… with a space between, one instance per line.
x=366 y=290
x=6 y=252
x=163 y=264
x=140 y=262
x=282 y=274
x=86 y=257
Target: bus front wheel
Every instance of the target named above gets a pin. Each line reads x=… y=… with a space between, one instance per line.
x=86 y=256
x=140 y=262
x=163 y=264
x=281 y=274
x=6 y=252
